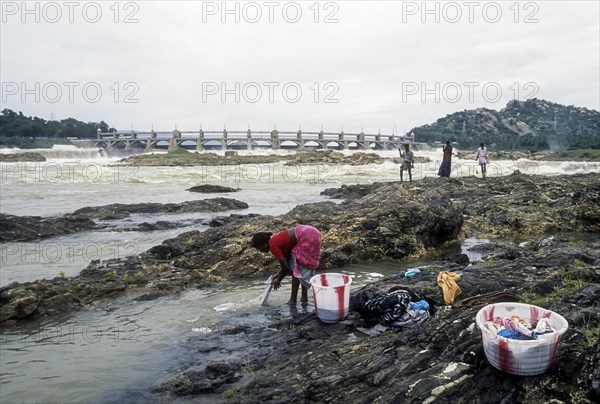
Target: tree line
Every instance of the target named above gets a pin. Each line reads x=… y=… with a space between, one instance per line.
x=16 y=125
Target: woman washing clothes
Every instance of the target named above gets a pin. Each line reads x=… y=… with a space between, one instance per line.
x=298 y=251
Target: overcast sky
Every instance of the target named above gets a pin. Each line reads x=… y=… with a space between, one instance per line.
x=370 y=65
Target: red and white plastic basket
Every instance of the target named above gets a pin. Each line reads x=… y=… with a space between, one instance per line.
x=331 y=293
x=520 y=357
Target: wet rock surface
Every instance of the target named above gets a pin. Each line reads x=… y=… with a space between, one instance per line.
x=211 y=189
x=440 y=360
x=28 y=228
x=516 y=206
x=119 y=211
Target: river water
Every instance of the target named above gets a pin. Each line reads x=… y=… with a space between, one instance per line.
x=120 y=350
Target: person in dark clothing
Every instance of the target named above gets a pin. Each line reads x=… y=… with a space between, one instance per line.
x=444 y=170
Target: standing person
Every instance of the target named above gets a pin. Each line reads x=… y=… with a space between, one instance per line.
x=298 y=251
x=444 y=170
x=482 y=157
x=408 y=162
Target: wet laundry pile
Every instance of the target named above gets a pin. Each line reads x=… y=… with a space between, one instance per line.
x=516 y=327
x=399 y=308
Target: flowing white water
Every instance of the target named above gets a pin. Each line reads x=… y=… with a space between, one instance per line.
x=120 y=350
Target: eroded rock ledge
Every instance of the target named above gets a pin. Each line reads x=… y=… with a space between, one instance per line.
x=28 y=228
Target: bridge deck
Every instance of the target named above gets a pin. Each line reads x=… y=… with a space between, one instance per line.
x=274 y=139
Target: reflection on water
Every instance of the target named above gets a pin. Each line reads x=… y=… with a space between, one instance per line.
x=466 y=246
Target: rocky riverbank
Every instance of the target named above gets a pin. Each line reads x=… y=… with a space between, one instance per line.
x=375 y=222
x=517 y=206
x=441 y=360
x=380 y=226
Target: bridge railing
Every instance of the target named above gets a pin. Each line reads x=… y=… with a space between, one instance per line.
x=244 y=134
x=275 y=138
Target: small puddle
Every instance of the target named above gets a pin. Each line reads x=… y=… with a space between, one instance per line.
x=467 y=246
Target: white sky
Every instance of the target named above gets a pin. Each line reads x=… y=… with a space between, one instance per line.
x=388 y=64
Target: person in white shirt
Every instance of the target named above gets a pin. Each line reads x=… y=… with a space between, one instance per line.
x=408 y=163
x=482 y=158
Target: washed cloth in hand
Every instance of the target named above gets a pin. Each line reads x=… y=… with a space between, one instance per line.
x=264 y=298
x=447 y=281
x=389 y=307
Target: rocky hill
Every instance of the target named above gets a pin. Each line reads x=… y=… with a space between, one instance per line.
x=532 y=124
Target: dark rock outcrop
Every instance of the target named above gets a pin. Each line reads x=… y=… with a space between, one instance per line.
x=350 y=192
x=28 y=228
x=516 y=206
x=119 y=210
x=211 y=189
